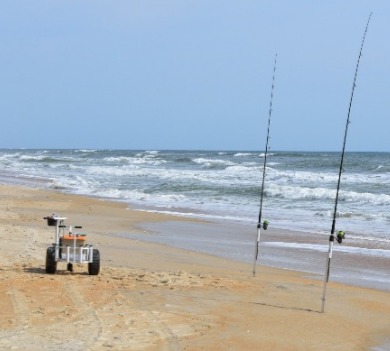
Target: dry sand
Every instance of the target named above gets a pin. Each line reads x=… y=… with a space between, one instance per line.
x=154 y=297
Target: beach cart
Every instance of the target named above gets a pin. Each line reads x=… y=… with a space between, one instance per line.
x=70 y=247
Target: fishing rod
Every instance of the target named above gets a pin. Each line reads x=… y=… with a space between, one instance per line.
x=264 y=225
x=341 y=234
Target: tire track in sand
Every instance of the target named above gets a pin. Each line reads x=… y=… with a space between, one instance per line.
x=30 y=332
x=20 y=306
x=166 y=338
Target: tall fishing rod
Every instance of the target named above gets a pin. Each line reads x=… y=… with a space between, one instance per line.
x=341 y=234
x=264 y=225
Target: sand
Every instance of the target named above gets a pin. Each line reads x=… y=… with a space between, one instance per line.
x=155 y=297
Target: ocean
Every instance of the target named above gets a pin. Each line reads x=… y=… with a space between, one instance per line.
x=223 y=187
x=299 y=190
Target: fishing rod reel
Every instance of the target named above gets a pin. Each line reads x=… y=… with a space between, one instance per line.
x=340 y=236
x=263 y=225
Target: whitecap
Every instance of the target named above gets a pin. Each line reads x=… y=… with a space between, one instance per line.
x=324 y=248
x=242 y=154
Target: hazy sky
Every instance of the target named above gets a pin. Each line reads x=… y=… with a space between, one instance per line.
x=183 y=74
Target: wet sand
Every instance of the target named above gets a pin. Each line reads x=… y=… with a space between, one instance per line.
x=358 y=262
x=152 y=296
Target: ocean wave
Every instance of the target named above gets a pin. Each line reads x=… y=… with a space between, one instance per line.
x=183 y=159
x=47 y=159
x=118 y=159
x=8 y=156
x=326 y=178
x=135 y=160
x=87 y=151
x=268 y=154
x=132 y=170
x=210 y=163
x=137 y=196
x=345 y=214
x=147 y=154
x=241 y=168
x=324 y=248
x=77 y=184
x=282 y=176
x=241 y=154
x=206 y=216
x=298 y=193
x=305 y=193
x=377 y=199
x=382 y=169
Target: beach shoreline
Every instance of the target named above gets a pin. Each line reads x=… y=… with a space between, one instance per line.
x=355 y=262
x=154 y=296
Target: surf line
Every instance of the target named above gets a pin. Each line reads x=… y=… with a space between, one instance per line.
x=264 y=225
x=341 y=234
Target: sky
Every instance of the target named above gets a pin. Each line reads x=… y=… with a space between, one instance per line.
x=193 y=74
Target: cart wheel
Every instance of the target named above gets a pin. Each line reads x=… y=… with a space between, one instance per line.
x=94 y=267
x=51 y=264
x=69 y=267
